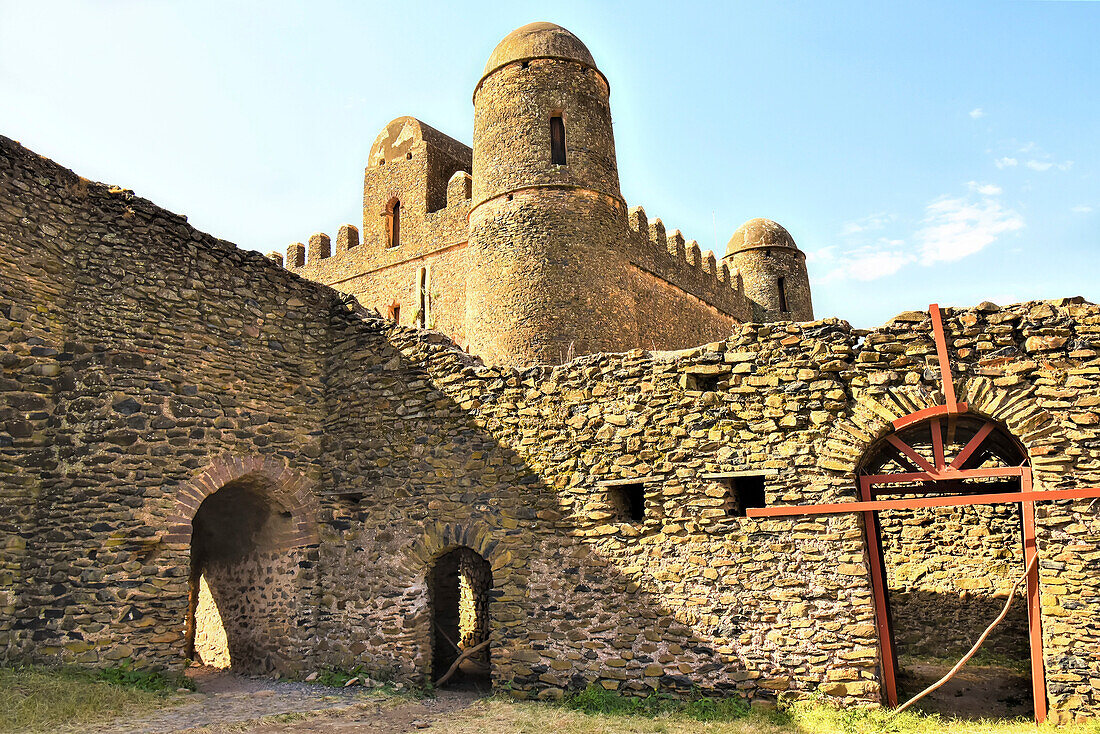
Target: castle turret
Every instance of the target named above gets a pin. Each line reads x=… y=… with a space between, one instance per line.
x=546 y=215
x=773 y=271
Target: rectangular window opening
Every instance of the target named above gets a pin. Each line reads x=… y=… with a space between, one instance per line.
x=744 y=493
x=628 y=502
x=557 y=140
x=781 y=284
x=703 y=382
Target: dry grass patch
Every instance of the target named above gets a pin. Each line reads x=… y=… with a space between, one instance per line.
x=48 y=700
x=502 y=716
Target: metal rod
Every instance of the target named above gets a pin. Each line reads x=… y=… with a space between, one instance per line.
x=971 y=446
x=995 y=498
x=910 y=452
x=1034 y=615
x=937 y=445
x=878 y=591
x=986 y=473
x=945 y=362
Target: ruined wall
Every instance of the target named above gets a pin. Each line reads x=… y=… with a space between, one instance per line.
x=949 y=571
x=177 y=364
x=136 y=352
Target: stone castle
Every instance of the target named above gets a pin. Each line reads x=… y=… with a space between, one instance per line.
x=204 y=454
x=535 y=257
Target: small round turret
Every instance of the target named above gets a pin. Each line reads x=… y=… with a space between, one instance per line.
x=773 y=271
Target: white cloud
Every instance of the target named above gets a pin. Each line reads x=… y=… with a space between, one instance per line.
x=1083 y=209
x=1065 y=166
x=984 y=189
x=977 y=112
x=957 y=227
x=952 y=228
x=1028 y=147
x=1038 y=165
x=867 y=262
x=869 y=223
x=1005 y=162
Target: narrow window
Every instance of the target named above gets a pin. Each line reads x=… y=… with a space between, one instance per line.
x=781 y=284
x=557 y=141
x=628 y=502
x=422 y=298
x=395 y=223
x=745 y=492
x=395 y=313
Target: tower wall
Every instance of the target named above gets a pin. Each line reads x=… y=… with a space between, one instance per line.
x=760 y=270
x=548 y=276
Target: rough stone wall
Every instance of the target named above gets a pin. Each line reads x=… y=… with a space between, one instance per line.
x=136 y=352
x=760 y=269
x=949 y=571
x=211 y=645
x=406 y=448
x=428 y=173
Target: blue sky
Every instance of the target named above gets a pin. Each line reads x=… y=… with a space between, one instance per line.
x=944 y=152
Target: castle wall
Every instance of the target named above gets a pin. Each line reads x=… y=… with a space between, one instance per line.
x=136 y=351
x=424 y=170
x=147 y=364
x=760 y=269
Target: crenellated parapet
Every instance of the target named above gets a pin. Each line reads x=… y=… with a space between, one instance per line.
x=416 y=202
x=682 y=263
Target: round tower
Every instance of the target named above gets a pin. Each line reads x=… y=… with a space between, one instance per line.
x=773 y=271
x=546 y=217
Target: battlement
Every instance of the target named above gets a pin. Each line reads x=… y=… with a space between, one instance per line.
x=682 y=263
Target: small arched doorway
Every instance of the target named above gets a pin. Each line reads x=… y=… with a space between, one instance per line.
x=239 y=576
x=459 y=586
x=942 y=574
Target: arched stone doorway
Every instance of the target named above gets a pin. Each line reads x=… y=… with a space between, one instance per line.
x=459 y=586
x=243 y=577
x=944 y=573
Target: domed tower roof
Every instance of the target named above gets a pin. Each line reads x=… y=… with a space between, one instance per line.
x=757 y=233
x=538 y=41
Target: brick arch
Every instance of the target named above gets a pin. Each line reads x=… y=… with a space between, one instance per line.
x=1016 y=409
x=438 y=538
x=290 y=490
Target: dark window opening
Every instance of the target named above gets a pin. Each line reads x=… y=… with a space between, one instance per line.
x=557 y=141
x=395 y=312
x=395 y=224
x=408 y=156
x=745 y=492
x=781 y=284
x=702 y=382
x=628 y=502
x=422 y=297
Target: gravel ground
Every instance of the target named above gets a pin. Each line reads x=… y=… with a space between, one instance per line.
x=228 y=703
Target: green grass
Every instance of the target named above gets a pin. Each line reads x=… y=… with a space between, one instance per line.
x=596 y=711
x=598 y=700
x=36 y=699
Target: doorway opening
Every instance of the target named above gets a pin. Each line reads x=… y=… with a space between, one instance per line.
x=459 y=586
x=239 y=569
x=947 y=571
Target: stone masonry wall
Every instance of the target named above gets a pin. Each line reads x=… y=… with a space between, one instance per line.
x=147 y=364
x=136 y=352
x=949 y=571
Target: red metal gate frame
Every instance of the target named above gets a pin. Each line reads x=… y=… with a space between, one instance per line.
x=937 y=472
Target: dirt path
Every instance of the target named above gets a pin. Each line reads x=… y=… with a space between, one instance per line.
x=228 y=703
x=975 y=692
